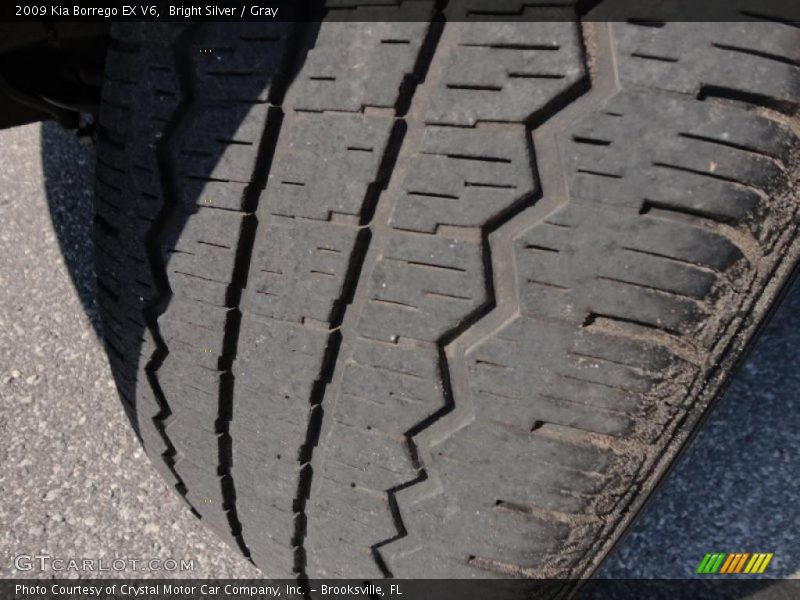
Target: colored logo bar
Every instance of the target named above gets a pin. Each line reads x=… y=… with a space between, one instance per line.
x=735 y=562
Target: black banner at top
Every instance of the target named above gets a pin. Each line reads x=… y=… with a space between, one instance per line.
x=652 y=12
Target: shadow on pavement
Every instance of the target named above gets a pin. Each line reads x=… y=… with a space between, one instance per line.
x=68 y=170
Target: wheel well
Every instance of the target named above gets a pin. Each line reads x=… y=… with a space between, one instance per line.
x=51 y=71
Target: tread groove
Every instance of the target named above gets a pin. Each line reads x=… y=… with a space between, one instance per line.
x=534 y=120
x=339 y=309
x=152 y=243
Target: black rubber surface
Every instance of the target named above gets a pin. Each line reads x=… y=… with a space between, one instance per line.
x=437 y=299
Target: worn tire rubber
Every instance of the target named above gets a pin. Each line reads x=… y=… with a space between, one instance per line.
x=437 y=299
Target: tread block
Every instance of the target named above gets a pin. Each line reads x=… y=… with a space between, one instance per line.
x=301 y=271
x=277 y=355
x=464 y=177
x=351 y=66
x=727 y=58
x=506 y=71
x=423 y=286
x=326 y=164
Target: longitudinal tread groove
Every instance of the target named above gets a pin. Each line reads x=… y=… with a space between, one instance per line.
x=339 y=307
x=565 y=97
x=163 y=266
x=338 y=311
x=241 y=270
x=154 y=238
x=333 y=232
x=152 y=241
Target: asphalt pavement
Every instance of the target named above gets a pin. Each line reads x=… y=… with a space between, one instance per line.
x=74 y=482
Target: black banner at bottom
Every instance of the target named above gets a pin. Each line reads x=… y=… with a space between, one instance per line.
x=398 y=589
